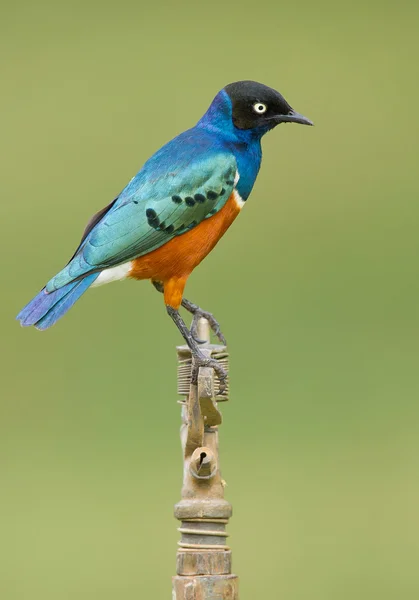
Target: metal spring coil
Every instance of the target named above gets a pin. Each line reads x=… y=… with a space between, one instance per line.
x=185 y=371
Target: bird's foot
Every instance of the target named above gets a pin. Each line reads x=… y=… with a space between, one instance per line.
x=214 y=324
x=199 y=360
x=198 y=313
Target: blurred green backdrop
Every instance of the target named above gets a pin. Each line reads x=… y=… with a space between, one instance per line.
x=316 y=287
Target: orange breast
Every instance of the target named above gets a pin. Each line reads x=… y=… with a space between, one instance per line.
x=173 y=262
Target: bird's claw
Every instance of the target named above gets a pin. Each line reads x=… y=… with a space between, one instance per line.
x=202 y=361
x=194 y=331
x=215 y=326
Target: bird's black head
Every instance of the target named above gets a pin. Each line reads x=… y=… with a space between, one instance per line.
x=257 y=106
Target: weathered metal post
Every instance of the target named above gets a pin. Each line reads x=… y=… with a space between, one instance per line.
x=203 y=564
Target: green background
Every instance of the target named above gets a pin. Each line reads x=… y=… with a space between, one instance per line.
x=316 y=287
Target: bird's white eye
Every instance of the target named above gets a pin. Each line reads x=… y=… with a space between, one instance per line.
x=260 y=108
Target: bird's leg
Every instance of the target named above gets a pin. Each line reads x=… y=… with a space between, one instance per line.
x=158 y=285
x=197 y=313
x=199 y=360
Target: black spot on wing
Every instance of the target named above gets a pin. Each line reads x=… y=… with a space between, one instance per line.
x=212 y=195
x=200 y=198
x=152 y=218
x=177 y=199
x=170 y=229
x=189 y=201
x=154 y=223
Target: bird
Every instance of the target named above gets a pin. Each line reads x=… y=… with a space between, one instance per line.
x=173 y=212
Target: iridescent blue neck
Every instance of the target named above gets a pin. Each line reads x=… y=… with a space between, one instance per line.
x=243 y=143
x=219 y=119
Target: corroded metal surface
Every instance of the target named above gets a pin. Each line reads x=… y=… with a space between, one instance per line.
x=212 y=587
x=216 y=562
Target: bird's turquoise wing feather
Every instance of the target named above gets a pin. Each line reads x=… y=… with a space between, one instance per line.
x=151 y=211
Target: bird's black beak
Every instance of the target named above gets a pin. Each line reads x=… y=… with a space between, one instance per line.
x=293 y=117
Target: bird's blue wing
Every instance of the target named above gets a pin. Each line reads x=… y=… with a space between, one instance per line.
x=155 y=207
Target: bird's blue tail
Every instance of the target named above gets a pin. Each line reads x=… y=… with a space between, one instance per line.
x=46 y=308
